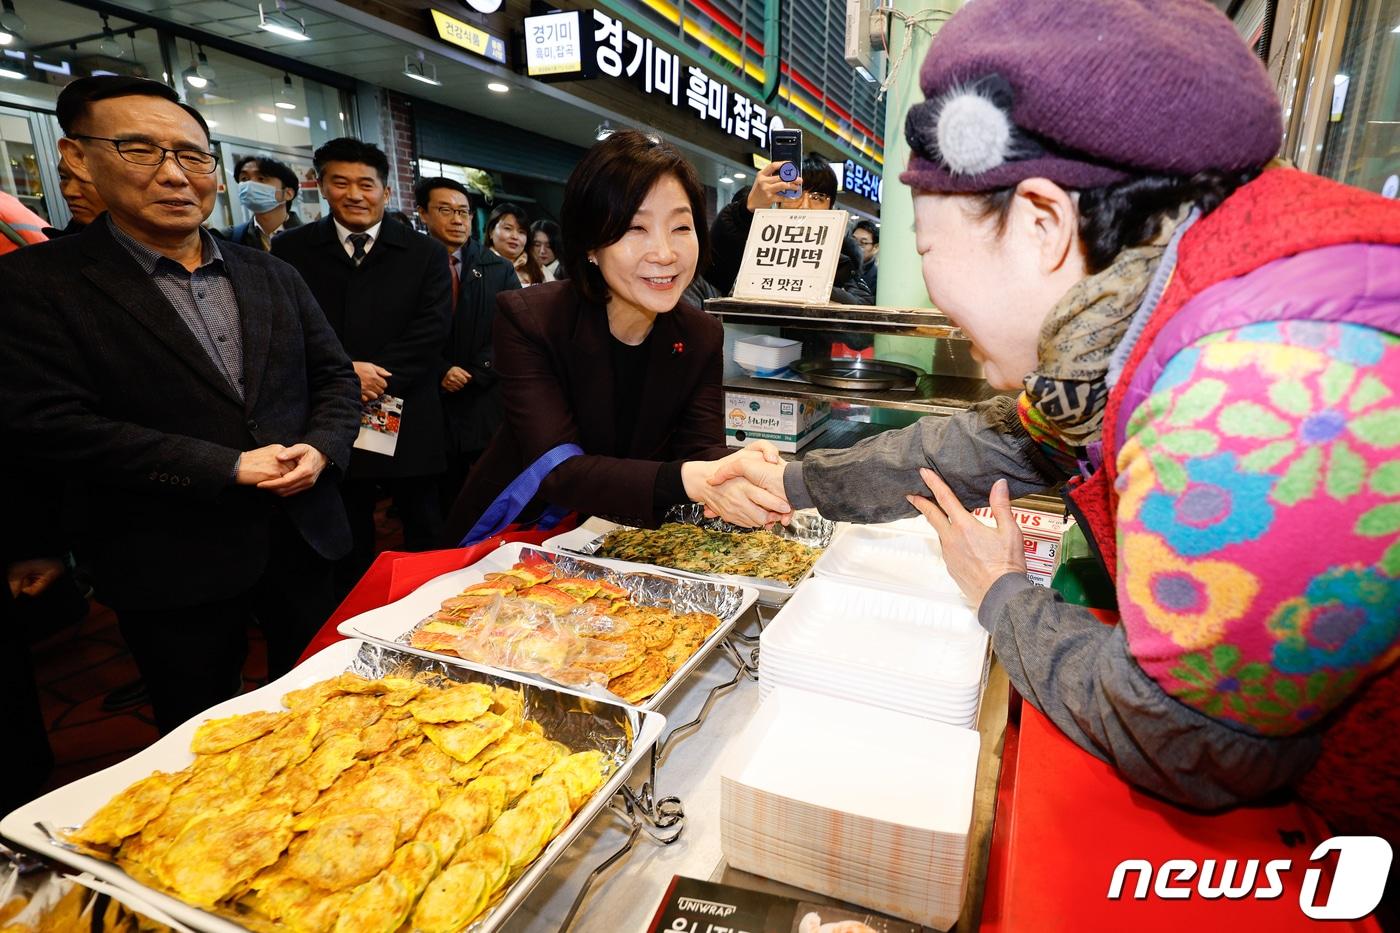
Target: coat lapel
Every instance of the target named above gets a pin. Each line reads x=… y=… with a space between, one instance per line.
x=115 y=272
x=589 y=361
x=255 y=306
x=329 y=242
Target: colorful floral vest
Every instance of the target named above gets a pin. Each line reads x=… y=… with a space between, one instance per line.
x=1282 y=216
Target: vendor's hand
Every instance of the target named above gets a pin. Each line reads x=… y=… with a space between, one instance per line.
x=768 y=187
x=259 y=466
x=758 y=463
x=455 y=379
x=304 y=465
x=373 y=380
x=737 y=501
x=975 y=554
x=32 y=577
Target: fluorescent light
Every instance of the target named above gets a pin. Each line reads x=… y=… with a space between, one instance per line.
x=420 y=70
x=7 y=72
x=1339 y=80
x=281 y=23
x=498 y=87
x=267 y=117
x=726 y=180
x=740 y=175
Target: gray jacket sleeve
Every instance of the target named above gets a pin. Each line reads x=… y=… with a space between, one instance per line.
x=970 y=450
x=1079 y=673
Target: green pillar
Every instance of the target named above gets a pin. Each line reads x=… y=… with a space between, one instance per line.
x=901 y=279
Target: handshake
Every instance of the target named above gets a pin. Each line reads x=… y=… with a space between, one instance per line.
x=745 y=488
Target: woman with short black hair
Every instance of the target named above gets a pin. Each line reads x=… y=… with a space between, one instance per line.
x=610 y=382
x=545 y=238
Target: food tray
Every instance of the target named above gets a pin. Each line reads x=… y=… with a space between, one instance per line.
x=902 y=561
x=866 y=375
x=807 y=527
x=582 y=722
x=393 y=624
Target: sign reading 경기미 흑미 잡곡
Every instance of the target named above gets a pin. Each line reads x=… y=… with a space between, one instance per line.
x=791 y=256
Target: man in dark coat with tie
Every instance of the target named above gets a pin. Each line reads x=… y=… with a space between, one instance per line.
x=196 y=391
x=387 y=292
x=471 y=396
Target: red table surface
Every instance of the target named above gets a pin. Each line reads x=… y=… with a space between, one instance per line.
x=1064 y=819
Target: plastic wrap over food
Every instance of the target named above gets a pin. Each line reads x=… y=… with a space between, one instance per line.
x=579 y=624
x=582 y=723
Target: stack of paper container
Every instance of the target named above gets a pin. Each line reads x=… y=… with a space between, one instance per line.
x=852 y=801
x=925 y=657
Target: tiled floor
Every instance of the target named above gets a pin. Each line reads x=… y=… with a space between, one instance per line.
x=77 y=667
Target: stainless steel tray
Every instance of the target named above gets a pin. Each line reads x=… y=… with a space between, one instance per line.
x=625 y=734
x=395 y=623
x=870 y=375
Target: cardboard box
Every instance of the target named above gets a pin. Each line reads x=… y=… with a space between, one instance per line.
x=790 y=423
x=1041 y=532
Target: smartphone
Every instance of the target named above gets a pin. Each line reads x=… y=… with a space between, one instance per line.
x=786 y=146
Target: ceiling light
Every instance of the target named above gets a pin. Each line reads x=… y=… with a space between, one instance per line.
x=420 y=70
x=287 y=97
x=9 y=71
x=603 y=132
x=266 y=117
x=498 y=87
x=281 y=23
x=109 y=45
x=11 y=26
x=206 y=70
x=740 y=175
x=726 y=180
x=213 y=124
x=192 y=77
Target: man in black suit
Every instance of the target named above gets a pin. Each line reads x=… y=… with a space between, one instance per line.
x=194 y=388
x=471 y=397
x=387 y=292
x=267 y=189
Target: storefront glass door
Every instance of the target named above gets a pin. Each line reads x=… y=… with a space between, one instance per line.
x=20 y=172
x=1361 y=145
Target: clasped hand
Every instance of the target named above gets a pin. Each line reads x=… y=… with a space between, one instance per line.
x=976 y=556
x=724 y=489
x=284 y=471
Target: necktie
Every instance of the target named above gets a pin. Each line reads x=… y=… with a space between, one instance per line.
x=456 y=278
x=358 y=240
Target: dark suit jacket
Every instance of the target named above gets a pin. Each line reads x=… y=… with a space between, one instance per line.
x=474 y=411
x=555 y=367
x=392 y=310
x=103 y=381
x=246 y=234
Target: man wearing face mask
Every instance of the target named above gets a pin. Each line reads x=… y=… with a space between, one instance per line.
x=266 y=189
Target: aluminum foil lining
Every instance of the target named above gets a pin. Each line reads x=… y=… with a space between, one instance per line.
x=582 y=723
x=680 y=595
x=806 y=527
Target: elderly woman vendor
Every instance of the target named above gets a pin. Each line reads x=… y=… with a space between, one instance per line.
x=1207 y=343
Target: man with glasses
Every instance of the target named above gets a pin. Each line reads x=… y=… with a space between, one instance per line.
x=730 y=230
x=193 y=388
x=471 y=401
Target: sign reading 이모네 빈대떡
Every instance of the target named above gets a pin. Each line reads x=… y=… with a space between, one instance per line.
x=791 y=256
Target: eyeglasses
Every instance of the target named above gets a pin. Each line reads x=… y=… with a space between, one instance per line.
x=816 y=198
x=462 y=212
x=143 y=153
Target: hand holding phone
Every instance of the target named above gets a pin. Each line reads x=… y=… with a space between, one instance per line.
x=769 y=186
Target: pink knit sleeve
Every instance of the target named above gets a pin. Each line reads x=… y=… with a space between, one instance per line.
x=1259 y=522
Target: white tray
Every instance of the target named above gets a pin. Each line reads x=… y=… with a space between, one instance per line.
x=903 y=561
x=72 y=804
x=387 y=624
x=574 y=542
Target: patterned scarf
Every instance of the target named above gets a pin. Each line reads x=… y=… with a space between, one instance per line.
x=1079 y=336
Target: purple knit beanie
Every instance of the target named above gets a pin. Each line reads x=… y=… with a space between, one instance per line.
x=1087 y=93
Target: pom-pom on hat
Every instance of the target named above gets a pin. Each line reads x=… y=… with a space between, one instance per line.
x=1087 y=93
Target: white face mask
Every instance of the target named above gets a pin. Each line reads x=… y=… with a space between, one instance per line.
x=258 y=197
